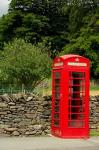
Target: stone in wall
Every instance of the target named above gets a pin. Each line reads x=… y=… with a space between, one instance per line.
x=24 y=115
x=94 y=113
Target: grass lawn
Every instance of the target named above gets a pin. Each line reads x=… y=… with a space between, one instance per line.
x=94 y=88
x=94 y=133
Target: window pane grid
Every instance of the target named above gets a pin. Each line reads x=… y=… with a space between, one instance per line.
x=76 y=109
x=56 y=106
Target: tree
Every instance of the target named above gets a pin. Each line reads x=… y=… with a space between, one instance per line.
x=87 y=46
x=28 y=26
x=23 y=63
x=55 y=22
x=33 y=28
x=37 y=19
x=78 y=10
x=85 y=41
x=8 y=23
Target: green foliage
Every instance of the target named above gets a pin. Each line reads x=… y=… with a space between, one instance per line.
x=24 y=63
x=85 y=42
x=37 y=19
x=87 y=47
x=94 y=133
x=71 y=25
x=33 y=28
x=8 y=23
x=28 y=26
x=94 y=87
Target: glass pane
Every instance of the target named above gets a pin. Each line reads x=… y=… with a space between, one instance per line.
x=57 y=75
x=56 y=116
x=56 y=108
x=57 y=88
x=77 y=124
x=57 y=81
x=56 y=122
x=74 y=116
x=76 y=103
x=57 y=102
x=78 y=74
x=81 y=116
x=77 y=109
x=57 y=95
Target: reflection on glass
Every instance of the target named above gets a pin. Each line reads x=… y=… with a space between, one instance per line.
x=56 y=116
x=56 y=122
x=57 y=81
x=57 y=95
x=78 y=74
x=56 y=101
x=56 y=108
x=57 y=88
x=77 y=124
x=57 y=75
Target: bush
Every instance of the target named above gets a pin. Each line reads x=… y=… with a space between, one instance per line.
x=24 y=63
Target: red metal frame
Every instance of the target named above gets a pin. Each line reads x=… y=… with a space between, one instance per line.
x=70 y=97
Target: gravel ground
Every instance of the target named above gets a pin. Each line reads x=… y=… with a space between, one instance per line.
x=48 y=143
x=94 y=93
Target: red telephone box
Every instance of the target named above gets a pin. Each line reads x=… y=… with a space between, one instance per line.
x=70 y=97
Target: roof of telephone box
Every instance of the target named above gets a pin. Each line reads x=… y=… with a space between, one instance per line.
x=70 y=56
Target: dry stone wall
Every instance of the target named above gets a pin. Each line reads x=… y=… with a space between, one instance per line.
x=24 y=115
x=94 y=113
x=30 y=115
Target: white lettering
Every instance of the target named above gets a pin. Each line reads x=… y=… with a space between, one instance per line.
x=58 y=64
x=77 y=64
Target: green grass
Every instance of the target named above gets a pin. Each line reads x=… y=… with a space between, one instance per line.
x=94 y=87
x=94 y=133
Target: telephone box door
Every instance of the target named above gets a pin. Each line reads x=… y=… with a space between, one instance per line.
x=78 y=111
